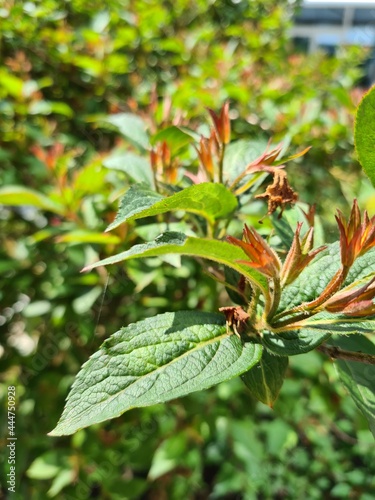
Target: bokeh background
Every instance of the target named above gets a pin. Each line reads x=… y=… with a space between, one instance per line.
x=66 y=69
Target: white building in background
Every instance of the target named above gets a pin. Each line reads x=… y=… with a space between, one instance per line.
x=330 y=24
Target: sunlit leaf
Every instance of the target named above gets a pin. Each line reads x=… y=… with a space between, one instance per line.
x=132 y=127
x=177 y=243
x=211 y=201
x=365 y=134
x=153 y=361
x=22 y=196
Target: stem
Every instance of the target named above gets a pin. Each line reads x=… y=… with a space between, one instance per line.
x=252 y=309
x=154 y=177
x=221 y=164
x=337 y=353
x=275 y=298
x=293 y=321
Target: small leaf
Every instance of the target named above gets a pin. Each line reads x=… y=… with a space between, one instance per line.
x=266 y=378
x=283 y=230
x=294 y=342
x=364 y=135
x=211 y=201
x=154 y=361
x=135 y=166
x=238 y=154
x=236 y=287
x=81 y=236
x=313 y=279
x=132 y=127
x=292 y=157
x=340 y=324
x=358 y=378
x=178 y=243
x=21 y=196
x=175 y=137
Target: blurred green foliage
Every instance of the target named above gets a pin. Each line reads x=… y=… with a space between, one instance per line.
x=64 y=68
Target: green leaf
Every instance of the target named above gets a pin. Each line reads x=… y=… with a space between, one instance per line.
x=358 y=378
x=363 y=267
x=283 y=230
x=292 y=157
x=238 y=290
x=154 y=361
x=315 y=331
x=82 y=236
x=46 y=466
x=340 y=324
x=265 y=379
x=136 y=167
x=293 y=342
x=21 y=196
x=177 y=243
x=132 y=127
x=239 y=154
x=364 y=134
x=138 y=199
x=63 y=478
x=175 y=137
x=211 y=201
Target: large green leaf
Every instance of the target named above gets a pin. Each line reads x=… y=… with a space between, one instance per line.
x=265 y=379
x=132 y=127
x=358 y=378
x=294 y=342
x=153 y=361
x=22 y=196
x=211 y=201
x=365 y=134
x=178 y=243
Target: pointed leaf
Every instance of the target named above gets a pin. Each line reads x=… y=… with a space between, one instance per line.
x=211 y=201
x=135 y=166
x=364 y=135
x=238 y=154
x=236 y=287
x=340 y=324
x=175 y=137
x=266 y=378
x=139 y=198
x=82 y=236
x=153 y=361
x=358 y=378
x=313 y=279
x=132 y=127
x=283 y=230
x=292 y=157
x=314 y=332
x=178 y=243
x=22 y=196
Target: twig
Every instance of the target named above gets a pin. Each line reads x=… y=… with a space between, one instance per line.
x=337 y=353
